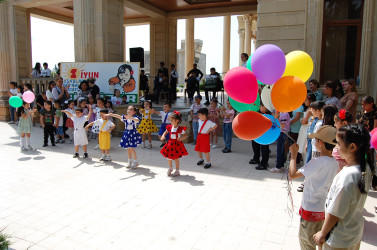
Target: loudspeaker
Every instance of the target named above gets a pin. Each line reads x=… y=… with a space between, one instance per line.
x=137 y=55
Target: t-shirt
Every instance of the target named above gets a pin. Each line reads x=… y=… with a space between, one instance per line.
x=163 y=115
x=48 y=117
x=79 y=122
x=318 y=95
x=35 y=73
x=286 y=119
x=367 y=119
x=173 y=129
x=56 y=92
x=116 y=100
x=49 y=95
x=13 y=91
x=94 y=90
x=60 y=115
x=45 y=72
x=333 y=100
x=346 y=202
x=316 y=127
x=105 y=128
x=195 y=107
x=130 y=124
x=230 y=119
x=295 y=127
x=206 y=127
x=40 y=101
x=341 y=162
x=319 y=174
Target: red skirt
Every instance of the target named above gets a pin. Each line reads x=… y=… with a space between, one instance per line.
x=202 y=143
x=173 y=149
x=69 y=123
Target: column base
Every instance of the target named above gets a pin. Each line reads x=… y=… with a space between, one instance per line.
x=4 y=106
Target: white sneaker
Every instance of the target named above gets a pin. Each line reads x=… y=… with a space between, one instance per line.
x=143 y=145
x=276 y=170
x=108 y=158
x=11 y=122
x=134 y=165
x=176 y=173
x=23 y=149
x=102 y=158
x=170 y=171
x=96 y=147
x=149 y=145
x=30 y=148
x=214 y=146
x=129 y=164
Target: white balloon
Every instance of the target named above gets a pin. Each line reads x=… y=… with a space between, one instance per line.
x=266 y=98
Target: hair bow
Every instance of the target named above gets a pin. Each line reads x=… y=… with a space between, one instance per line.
x=176 y=112
x=342 y=114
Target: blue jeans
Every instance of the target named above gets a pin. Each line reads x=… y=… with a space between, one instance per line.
x=12 y=111
x=280 y=150
x=227 y=134
x=309 y=151
x=195 y=127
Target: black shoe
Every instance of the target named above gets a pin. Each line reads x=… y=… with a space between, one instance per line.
x=163 y=144
x=76 y=155
x=53 y=144
x=208 y=165
x=200 y=162
x=226 y=150
x=45 y=145
x=261 y=167
x=252 y=161
x=85 y=155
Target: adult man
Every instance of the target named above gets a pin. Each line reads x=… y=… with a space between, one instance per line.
x=45 y=72
x=214 y=76
x=173 y=83
x=94 y=89
x=160 y=83
x=144 y=86
x=198 y=73
x=164 y=70
x=59 y=92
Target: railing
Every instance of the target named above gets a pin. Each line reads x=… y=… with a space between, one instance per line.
x=39 y=84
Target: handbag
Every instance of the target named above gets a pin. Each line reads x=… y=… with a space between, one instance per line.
x=211 y=84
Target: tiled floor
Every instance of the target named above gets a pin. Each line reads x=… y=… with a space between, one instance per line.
x=48 y=200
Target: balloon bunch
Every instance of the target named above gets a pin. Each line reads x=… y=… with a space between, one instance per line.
x=284 y=90
x=16 y=101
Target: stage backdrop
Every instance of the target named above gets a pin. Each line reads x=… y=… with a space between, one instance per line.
x=108 y=75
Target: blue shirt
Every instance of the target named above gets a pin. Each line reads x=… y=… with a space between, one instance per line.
x=295 y=127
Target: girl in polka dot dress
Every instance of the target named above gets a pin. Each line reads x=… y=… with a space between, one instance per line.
x=174 y=148
x=147 y=126
x=131 y=138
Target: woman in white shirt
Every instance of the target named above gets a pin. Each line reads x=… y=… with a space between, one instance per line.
x=50 y=96
x=36 y=71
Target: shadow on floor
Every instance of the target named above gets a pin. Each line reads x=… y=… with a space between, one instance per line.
x=189 y=179
x=141 y=172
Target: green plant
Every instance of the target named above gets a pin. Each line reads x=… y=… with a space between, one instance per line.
x=202 y=86
x=181 y=85
x=4 y=241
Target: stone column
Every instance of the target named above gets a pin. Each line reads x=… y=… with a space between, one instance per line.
x=248 y=26
x=241 y=32
x=189 y=45
x=99 y=30
x=226 y=44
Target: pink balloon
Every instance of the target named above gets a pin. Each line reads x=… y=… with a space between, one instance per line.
x=373 y=141
x=241 y=85
x=373 y=131
x=268 y=63
x=28 y=96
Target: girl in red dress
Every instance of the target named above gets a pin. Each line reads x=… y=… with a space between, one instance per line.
x=174 y=148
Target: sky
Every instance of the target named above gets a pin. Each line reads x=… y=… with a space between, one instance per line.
x=60 y=48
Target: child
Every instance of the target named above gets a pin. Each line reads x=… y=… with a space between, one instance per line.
x=174 y=148
x=213 y=116
x=92 y=118
x=83 y=105
x=105 y=128
x=131 y=138
x=69 y=123
x=284 y=119
x=47 y=120
x=59 y=123
x=165 y=117
x=109 y=107
x=147 y=126
x=116 y=99
x=124 y=100
x=12 y=92
x=202 y=145
x=79 y=134
x=194 y=114
x=319 y=174
x=228 y=115
x=341 y=119
x=25 y=125
x=369 y=115
x=344 y=221
x=100 y=105
x=316 y=110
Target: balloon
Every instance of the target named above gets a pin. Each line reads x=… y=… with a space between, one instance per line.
x=299 y=64
x=268 y=63
x=28 y=96
x=15 y=101
x=288 y=93
x=373 y=131
x=248 y=66
x=241 y=85
x=272 y=134
x=266 y=98
x=241 y=107
x=373 y=140
x=250 y=125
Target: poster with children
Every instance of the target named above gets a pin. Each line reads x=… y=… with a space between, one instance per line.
x=109 y=77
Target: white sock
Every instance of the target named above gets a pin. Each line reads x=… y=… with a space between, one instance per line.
x=129 y=160
x=103 y=155
x=22 y=142
x=207 y=162
x=27 y=141
x=135 y=160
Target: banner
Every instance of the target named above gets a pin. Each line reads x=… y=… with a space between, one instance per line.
x=109 y=76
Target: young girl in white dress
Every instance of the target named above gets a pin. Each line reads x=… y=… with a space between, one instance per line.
x=25 y=125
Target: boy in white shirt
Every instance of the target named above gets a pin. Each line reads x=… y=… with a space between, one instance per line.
x=202 y=143
x=319 y=174
x=45 y=72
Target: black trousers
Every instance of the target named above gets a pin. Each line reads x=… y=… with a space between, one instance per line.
x=49 y=131
x=206 y=93
x=173 y=91
x=258 y=148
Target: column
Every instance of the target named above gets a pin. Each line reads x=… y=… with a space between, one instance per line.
x=99 y=30
x=226 y=44
x=254 y=30
x=242 y=43
x=189 y=45
x=248 y=26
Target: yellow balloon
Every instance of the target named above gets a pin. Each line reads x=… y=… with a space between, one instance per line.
x=299 y=64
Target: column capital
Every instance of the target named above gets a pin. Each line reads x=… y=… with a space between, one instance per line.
x=241 y=32
x=249 y=19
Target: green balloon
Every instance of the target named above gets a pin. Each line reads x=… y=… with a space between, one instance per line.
x=241 y=107
x=248 y=66
x=15 y=101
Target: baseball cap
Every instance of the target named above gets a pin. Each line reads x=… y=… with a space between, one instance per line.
x=326 y=134
x=198 y=97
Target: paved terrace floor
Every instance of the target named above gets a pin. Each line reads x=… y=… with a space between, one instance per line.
x=48 y=200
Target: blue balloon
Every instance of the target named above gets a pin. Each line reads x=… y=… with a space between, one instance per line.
x=272 y=134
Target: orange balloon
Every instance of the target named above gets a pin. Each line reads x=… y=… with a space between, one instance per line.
x=250 y=125
x=288 y=93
